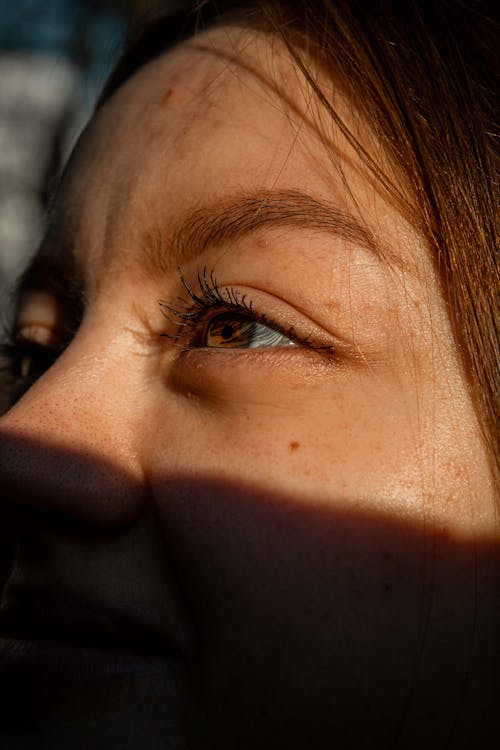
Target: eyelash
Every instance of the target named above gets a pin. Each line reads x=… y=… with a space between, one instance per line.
x=209 y=300
x=13 y=353
x=191 y=317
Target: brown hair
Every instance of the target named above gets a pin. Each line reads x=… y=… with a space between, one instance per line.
x=423 y=75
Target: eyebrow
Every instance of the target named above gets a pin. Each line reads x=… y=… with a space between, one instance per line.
x=232 y=219
x=224 y=221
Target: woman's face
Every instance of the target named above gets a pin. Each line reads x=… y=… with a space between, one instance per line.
x=264 y=368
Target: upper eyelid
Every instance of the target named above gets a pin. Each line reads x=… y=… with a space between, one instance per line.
x=61 y=312
x=30 y=334
x=231 y=297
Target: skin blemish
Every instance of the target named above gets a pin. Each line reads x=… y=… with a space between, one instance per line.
x=294 y=445
x=169 y=96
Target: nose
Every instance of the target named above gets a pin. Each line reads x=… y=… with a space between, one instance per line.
x=71 y=443
x=101 y=638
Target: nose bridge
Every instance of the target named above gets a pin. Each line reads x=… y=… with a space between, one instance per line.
x=72 y=441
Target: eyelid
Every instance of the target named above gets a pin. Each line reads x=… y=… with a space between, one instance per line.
x=43 y=319
x=39 y=334
x=209 y=299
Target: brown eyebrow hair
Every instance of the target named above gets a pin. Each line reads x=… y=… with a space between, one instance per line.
x=232 y=219
x=227 y=220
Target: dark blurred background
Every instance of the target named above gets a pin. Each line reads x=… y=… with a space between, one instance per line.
x=55 y=56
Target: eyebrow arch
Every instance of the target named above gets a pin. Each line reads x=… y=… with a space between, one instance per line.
x=200 y=229
x=230 y=220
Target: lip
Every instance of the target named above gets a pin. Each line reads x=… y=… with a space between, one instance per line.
x=46 y=624
x=56 y=618
x=114 y=593
x=49 y=659
x=47 y=613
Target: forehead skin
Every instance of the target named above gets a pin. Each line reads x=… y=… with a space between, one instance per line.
x=190 y=103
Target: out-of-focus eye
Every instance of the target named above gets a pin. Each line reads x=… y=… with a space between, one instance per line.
x=239 y=331
x=26 y=357
x=38 y=337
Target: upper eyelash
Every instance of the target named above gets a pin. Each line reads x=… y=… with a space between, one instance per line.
x=211 y=298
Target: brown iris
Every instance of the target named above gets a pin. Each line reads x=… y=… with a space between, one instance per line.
x=231 y=331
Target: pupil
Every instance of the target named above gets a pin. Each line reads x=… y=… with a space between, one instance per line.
x=227 y=332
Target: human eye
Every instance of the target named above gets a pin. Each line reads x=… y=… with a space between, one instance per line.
x=233 y=330
x=26 y=353
x=46 y=314
x=224 y=317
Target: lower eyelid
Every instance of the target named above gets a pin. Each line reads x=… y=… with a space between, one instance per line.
x=227 y=362
x=229 y=374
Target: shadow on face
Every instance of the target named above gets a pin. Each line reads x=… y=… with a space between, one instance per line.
x=230 y=617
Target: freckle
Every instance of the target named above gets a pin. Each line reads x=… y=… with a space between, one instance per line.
x=294 y=445
x=387 y=587
x=387 y=556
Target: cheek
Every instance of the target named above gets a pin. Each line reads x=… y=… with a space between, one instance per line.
x=377 y=440
x=291 y=597
x=297 y=539
x=341 y=438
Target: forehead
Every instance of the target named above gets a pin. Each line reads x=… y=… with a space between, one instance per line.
x=198 y=97
x=213 y=72
x=223 y=113
x=195 y=98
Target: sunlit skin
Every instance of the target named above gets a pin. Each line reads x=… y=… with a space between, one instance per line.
x=325 y=502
